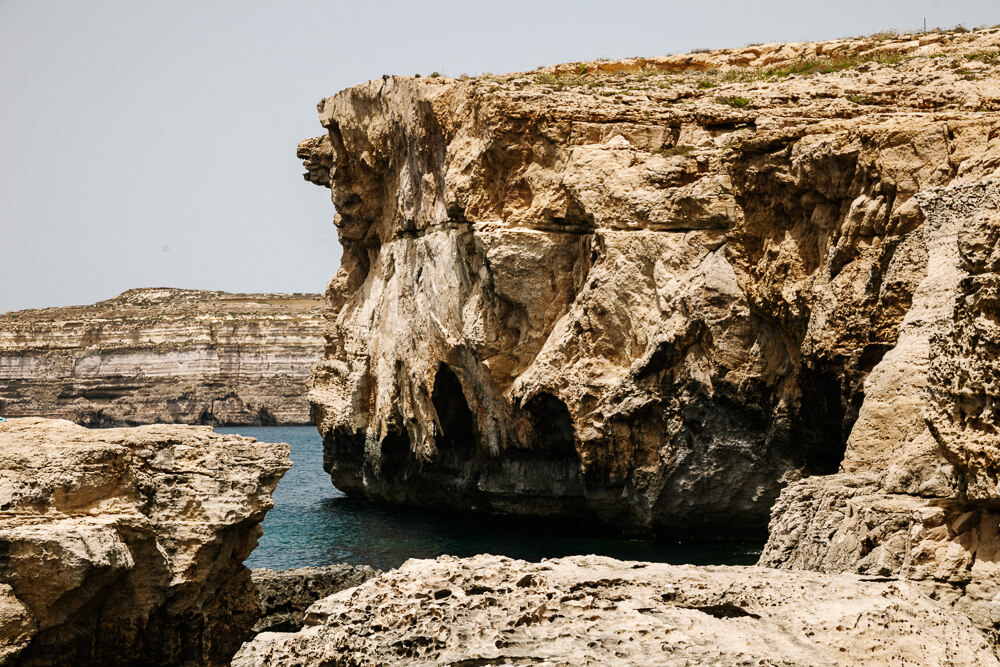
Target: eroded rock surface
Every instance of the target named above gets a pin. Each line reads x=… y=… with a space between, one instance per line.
x=163 y=355
x=589 y=610
x=648 y=291
x=917 y=497
x=284 y=595
x=125 y=546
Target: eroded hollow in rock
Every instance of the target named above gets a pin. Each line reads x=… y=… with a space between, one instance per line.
x=457 y=439
x=552 y=422
x=395 y=452
x=544 y=476
x=826 y=417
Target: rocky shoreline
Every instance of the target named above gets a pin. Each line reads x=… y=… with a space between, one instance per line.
x=711 y=294
x=125 y=546
x=588 y=610
x=285 y=595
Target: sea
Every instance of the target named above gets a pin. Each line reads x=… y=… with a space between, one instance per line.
x=314 y=524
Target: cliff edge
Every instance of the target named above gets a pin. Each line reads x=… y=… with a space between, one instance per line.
x=653 y=291
x=126 y=546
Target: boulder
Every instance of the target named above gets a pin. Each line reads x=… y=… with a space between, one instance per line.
x=284 y=595
x=125 y=546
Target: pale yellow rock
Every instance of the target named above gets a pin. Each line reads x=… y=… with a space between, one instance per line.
x=17 y=625
x=917 y=496
x=648 y=292
x=588 y=610
x=125 y=546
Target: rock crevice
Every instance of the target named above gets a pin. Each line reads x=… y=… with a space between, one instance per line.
x=916 y=496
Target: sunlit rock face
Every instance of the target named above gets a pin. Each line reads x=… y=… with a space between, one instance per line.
x=916 y=497
x=646 y=292
x=125 y=546
x=163 y=355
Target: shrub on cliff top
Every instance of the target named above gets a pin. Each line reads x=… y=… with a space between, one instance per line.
x=738 y=102
x=808 y=66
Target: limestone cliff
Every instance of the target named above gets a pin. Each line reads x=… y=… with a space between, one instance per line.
x=163 y=355
x=125 y=546
x=917 y=494
x=649 y=291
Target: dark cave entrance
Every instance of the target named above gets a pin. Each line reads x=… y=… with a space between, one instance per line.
x=552 y=423
x=395 y=453
x=457 y=438
x=549 y=466
x=830 y=401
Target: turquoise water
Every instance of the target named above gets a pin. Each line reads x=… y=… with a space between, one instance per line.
x=314 y=524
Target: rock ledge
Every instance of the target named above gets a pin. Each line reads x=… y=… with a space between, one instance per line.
x=589 y=610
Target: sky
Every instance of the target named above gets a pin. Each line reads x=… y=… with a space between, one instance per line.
x=148 y=144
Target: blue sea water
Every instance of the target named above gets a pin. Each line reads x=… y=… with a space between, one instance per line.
x=313 y=523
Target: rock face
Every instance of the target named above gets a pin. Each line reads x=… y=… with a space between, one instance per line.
x=125 y=546
x=163 y=355
x=917 y=496
x=652 y=291
x=284 y=595
x=588 y=610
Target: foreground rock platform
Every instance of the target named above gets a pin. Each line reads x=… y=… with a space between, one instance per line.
x=125 y=546
x=162 y=355
x=590 y=610
x=649 y=292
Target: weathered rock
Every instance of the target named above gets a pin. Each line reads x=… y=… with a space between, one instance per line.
x=125 y=546
x=284 y=595
x=589 y=610
x=947 y=548
x=918 y=497
x=647 y=291
x=163 y=355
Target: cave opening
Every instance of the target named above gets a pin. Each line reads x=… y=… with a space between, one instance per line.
x=826 y=417
x=457 y=437
x=546 y=468
x=553 y=424
x=395 y=452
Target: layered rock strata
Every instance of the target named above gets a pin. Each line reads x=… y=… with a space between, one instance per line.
x=163 y=355
x=917 y=496
x=648 y=291
x=589 y=610
x=125 y=546
x=284 y=595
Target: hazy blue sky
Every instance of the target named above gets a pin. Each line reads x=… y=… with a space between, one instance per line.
x=153 y=143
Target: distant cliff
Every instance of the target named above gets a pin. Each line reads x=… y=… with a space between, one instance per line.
x=163 y=355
